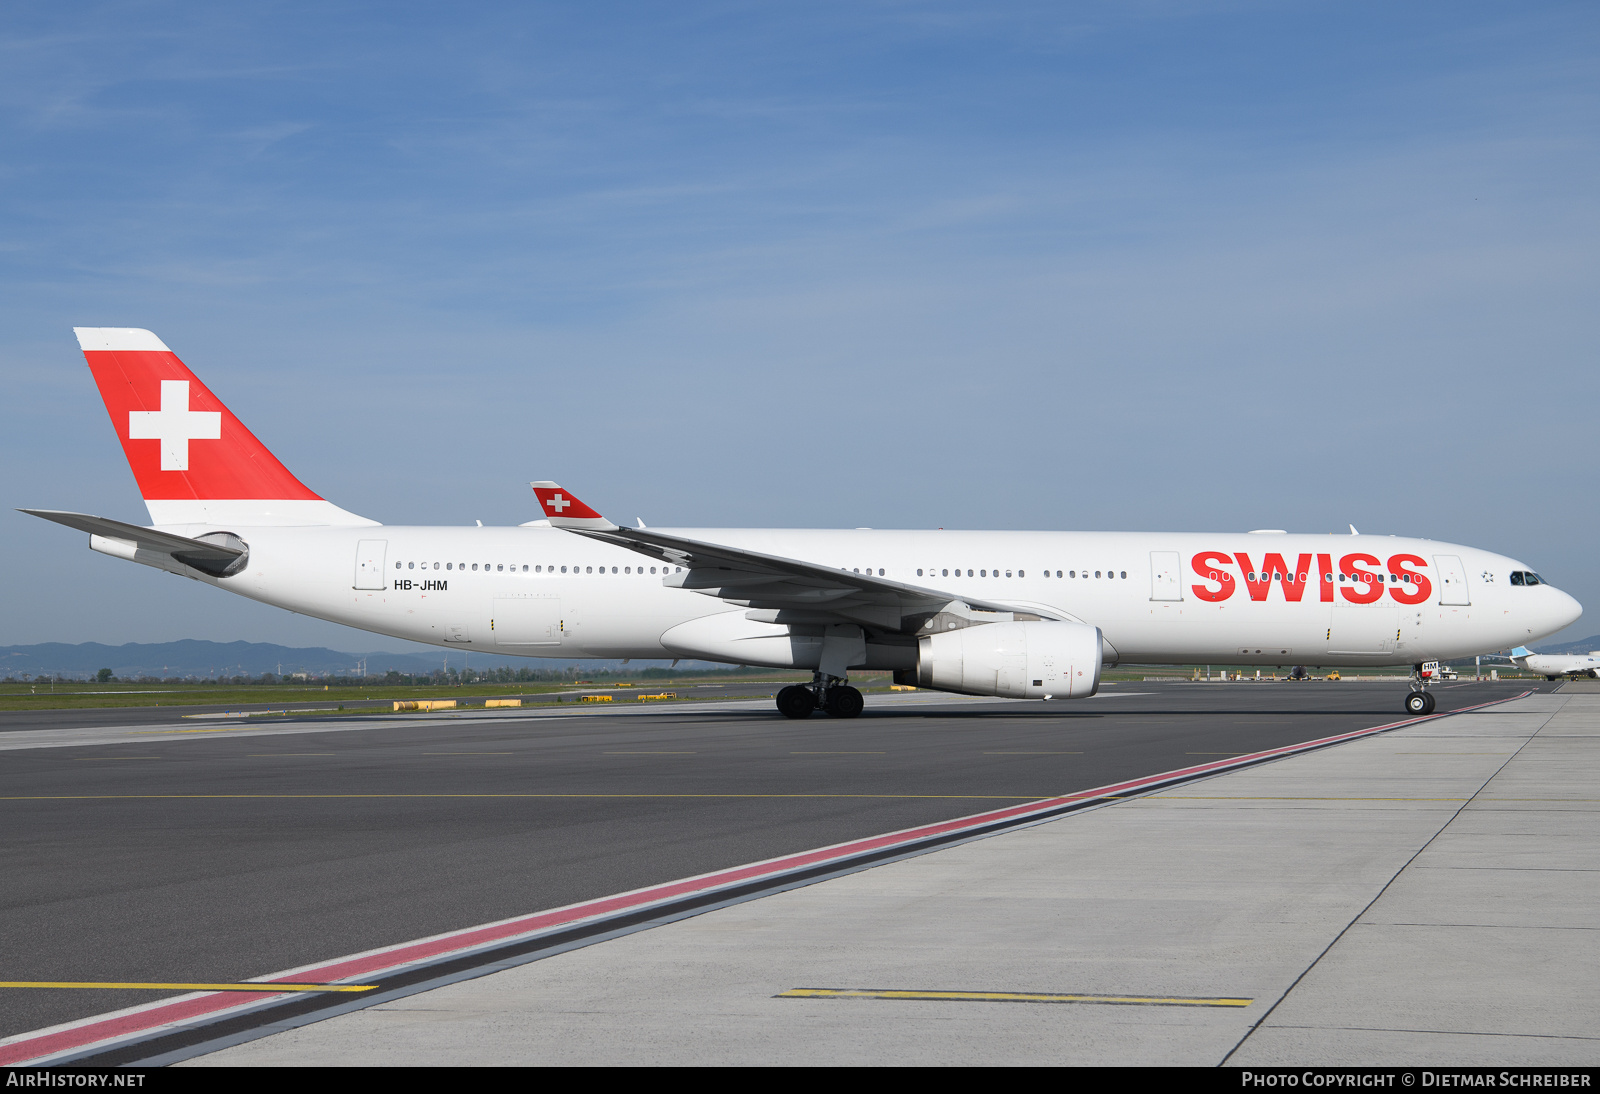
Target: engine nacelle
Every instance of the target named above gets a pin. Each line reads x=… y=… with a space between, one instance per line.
x=1017 y=660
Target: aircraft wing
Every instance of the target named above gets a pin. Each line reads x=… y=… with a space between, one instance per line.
x=775 y=588
x=211 y=558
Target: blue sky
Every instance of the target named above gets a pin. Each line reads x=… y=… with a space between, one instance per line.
x=1134 y=266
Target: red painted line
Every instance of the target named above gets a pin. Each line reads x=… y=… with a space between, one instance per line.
x=151 y=1017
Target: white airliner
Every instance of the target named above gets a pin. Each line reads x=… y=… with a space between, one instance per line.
x=1019 y=614
x=1553 y=666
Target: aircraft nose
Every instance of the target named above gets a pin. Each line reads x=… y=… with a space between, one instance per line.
x=1566 y=609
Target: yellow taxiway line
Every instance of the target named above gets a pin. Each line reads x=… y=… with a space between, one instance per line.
x=1008 y=997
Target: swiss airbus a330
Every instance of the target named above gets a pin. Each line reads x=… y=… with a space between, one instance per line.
x=1027 y=615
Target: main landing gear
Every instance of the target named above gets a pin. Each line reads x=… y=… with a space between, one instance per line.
x=836 y=698
x=1420 y=700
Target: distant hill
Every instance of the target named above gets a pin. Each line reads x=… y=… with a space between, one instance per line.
x=192 y=657
x=1582 y=645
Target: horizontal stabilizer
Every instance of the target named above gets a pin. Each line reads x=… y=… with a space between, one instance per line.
x=217 y=559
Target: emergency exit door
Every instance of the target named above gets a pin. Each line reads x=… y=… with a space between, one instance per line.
x=1452 y=580
x=1165 y=581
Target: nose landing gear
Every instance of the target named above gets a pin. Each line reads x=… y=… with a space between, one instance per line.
x=836 y=698
x=1420 y=700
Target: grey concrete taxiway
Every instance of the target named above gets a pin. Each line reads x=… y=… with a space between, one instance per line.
x=1425 y=896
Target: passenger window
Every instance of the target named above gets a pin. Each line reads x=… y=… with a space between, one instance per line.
x=652 y=569
x=880 y=571
x=983 y=573
x=1097 y=573
x=449 y=565
x=397 y=565
x=1021 y=574
x=411 y=565
x=1124 y=575
x=945 y=573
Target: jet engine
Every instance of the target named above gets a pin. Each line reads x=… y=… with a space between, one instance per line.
x=1035 y=660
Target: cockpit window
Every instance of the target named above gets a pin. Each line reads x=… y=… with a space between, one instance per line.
x=1516 y=577
x=1534 y=579
x=1525 y=577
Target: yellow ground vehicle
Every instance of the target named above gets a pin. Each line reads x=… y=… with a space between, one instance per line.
x=1334 y=675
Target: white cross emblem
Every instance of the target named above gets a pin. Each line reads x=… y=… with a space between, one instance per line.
x=558 y=503
x=174 y=425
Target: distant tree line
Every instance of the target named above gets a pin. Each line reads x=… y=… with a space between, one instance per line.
x=439 y=677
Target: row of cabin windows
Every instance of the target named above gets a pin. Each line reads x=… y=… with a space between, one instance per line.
x=500 y=567
x=1019 y=573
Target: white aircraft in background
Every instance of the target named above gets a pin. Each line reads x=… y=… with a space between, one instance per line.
x=1019 y=614
x=1553 y=666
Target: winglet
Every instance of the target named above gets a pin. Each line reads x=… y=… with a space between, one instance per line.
x=566 y=511
x=1521 y=651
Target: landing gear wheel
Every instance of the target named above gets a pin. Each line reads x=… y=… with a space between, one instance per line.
x=796 y=702
x=843 y=702
x=1419 y=702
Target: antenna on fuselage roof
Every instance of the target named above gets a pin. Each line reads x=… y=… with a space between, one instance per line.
x=1353 y=531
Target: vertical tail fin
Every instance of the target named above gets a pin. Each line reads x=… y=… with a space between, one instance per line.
x=195 y=462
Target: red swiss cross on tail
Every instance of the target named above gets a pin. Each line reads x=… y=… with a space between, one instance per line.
x=566 y=511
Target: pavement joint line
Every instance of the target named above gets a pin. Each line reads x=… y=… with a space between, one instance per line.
x=1009 y=997
x=171 y=1030
x=254 y=988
